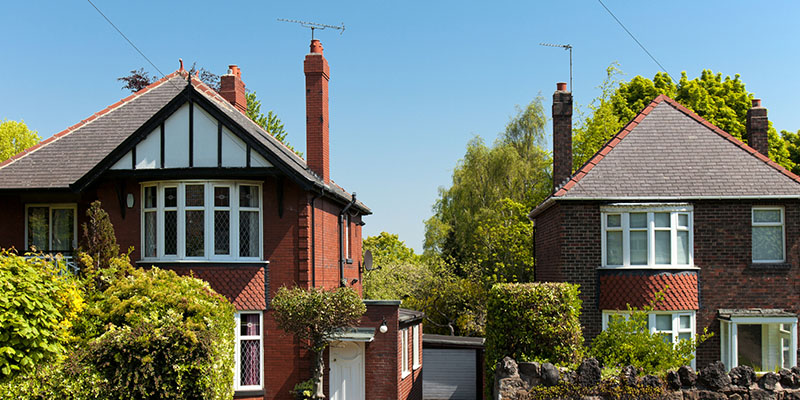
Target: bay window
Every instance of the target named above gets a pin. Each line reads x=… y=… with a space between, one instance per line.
x=249 y=352
x=672 y=326
x=647 y=236
x=201 y=220
x=768 y=235
x=51 y=228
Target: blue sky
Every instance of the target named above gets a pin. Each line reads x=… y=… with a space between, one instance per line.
x=411 y=82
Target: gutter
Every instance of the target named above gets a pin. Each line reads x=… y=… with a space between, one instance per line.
x=342 y=282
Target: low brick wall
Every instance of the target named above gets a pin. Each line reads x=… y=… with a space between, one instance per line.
x=530 y=380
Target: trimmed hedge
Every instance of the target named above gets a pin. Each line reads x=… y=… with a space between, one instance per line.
x=533 y=322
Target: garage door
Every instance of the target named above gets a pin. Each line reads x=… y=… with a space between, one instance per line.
x=449 y=374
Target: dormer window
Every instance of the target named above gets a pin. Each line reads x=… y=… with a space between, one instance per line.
x=201 y=220
x=647 y=236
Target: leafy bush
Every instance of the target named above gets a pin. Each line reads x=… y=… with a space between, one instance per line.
x=607 y=389
x=166 y=337
x=39 y=301
x=628 y=341
x=533 y=321
x=60 y=379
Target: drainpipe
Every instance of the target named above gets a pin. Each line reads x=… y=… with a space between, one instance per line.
x=342 y=282
x=314 y=240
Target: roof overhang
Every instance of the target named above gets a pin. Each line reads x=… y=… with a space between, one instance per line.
x=757 y=316
x=354 y=335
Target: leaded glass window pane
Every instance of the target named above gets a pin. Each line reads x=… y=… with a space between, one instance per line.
x=663 y=251
x=638 y=244
x=222 y=232
x=39 y=228
x=249 y=325
x=248 y=233
x=171 y=232
x=195 y=235
x=614 y=248
x=250 y=373
x=195 y=195
x=63 y=229
x=170 y=197
x=222 y=197
x=767 y=243
x=150 y=235
x=248 y=196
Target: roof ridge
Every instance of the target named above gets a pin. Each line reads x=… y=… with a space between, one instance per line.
x=90 y=119
x=662 y=98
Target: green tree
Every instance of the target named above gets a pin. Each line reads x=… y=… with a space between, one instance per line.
x=15 y=137
x=792 y=141
x=39 y=302
x=722 y=101
x=314 y=316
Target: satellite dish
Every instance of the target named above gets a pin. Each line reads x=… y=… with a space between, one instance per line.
x=368 y=260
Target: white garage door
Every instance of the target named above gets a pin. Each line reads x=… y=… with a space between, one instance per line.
x=449 y=374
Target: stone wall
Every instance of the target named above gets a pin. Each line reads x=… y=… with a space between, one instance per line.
x=531 y=380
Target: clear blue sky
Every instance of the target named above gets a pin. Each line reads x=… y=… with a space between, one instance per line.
x=411 y=82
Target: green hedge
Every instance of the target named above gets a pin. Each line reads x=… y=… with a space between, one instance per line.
x=533 y=321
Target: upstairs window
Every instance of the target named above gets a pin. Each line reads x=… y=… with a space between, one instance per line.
x=51 y=228
x=647 y=236
x=201 y=220
x=768 y=235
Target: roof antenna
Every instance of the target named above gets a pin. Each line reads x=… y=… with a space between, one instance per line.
x=565 y=47
x=314 y=25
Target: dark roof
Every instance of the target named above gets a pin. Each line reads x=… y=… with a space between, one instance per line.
x=452 y=341
x=406 y=315
x=69 y=156
x=669 y=152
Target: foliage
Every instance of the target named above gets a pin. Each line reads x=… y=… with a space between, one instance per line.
x=792 y=142
x=55 y=380
x=98 y=241
x=533 y=321
x=137 y=80
x=388 y=249
x=165 y=336
x=15 y=137
x=723 y=102
x=607 y=389
x=315 y=315
x=489 y=185
x=39 y=301
x=270 y=122
x=303 y=390
x=628 y=341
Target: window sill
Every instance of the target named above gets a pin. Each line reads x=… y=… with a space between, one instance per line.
x=248 y=393
x=655 y=267
x=416 y=367
x=212 y=261
x=405 y=374
x=768 y=266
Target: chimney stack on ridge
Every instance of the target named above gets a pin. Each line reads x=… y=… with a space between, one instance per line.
x=231 y=88
x=562 y=135
x=317 y=125
x=757 y=127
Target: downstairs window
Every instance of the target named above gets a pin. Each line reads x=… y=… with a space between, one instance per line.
x=763 y=343
x=249 y=351
x=51 y=228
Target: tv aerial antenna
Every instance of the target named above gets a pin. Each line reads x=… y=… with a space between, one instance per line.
x=314 y=25
x=565 y=47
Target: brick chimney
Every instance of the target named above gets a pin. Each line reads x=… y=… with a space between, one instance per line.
x=562 y=135
x=317 y=127
x=231 y=88
x=757 y=126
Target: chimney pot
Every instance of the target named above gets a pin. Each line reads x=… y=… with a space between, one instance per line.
x=316 y=47
x=231 y=88
x=561 y=86
x=756 y=102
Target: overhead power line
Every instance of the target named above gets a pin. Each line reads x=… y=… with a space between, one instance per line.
x=635 y=40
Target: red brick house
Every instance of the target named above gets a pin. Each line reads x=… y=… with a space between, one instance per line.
x=673 y=203
x=195 y=186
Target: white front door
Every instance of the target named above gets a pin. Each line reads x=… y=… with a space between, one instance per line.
x=347 y=371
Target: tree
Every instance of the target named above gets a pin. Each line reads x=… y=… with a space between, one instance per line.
x=315 y=316
x=792 y=141
x=723 y=102
x=16 y=137
x=39 y=301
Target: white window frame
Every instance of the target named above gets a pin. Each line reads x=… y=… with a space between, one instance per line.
x=651 y=324
x=624 y=210
x=415 y=347
x=237 y=351
x=404 y=353
x=208 y=209
x=729 y=343
x=781 y=224
x=51 y=207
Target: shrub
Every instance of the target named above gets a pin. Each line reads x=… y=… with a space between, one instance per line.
x=628 y=341
x=166 y=337
x=533 y=321
x=39 y=301
x=58 y=380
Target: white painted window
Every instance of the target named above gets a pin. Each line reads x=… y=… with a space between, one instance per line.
x=768 y=235
x=201 y=220
x=765 y=344
x=51 y=228
x=644 y=236
x=673 y=326
x=404 y=352
x=249 y=351
x=415 y=346
x=347 y=237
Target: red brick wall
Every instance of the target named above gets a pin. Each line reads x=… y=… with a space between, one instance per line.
x=410 y=386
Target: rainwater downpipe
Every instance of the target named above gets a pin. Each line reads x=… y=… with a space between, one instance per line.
x=314 y=241
x=342 y=282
